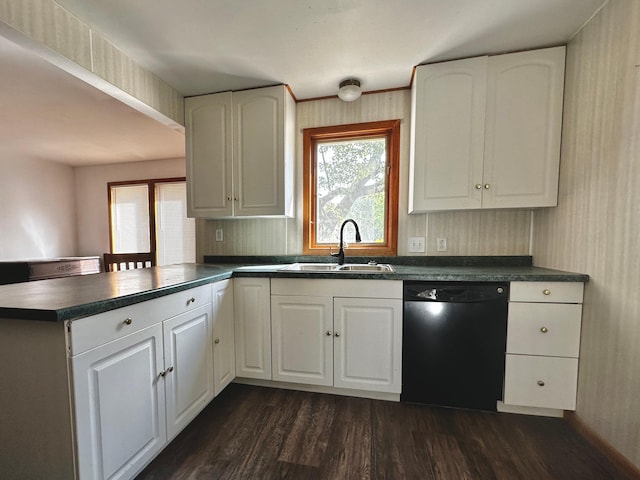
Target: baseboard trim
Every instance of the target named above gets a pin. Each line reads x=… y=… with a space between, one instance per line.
x=541 y=412
x=390 y=397
x=619 y=460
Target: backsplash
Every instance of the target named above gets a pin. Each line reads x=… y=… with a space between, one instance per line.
x=485 y=232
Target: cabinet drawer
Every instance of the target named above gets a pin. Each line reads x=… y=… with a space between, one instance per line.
x=181 y=302
x=547 y=292
x=544 y=329
x=545 y=382
x=90 y=332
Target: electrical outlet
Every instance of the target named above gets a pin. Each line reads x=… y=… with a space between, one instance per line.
x=442 y=245
x=219 y=235
x=416 y=245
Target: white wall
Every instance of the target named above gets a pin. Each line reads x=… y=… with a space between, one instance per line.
x=92 y=200
x=596 y=227
x=37 y=209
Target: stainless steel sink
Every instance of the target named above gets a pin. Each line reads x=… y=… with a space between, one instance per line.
x=365 y=268
x=333 y=268
x=310 y=267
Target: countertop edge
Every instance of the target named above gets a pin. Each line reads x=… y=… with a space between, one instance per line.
x=222 y=272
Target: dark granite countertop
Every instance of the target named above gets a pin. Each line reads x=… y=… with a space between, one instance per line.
x=80 y=296
x=75 y=297
x=407 y=272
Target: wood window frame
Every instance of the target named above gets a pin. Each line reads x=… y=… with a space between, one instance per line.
x=390 y=129
x=151 y=192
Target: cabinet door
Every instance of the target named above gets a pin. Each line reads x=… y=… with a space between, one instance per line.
x=188 y=366
x=302 y=346
x=208 y=124
x=368 y=344
x=252 y=312
x=119 y=405
x=448 y=135
x=259 y=122
x=224 y=356
x=522 y=136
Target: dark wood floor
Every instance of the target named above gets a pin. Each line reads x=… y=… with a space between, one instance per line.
x=263 y=433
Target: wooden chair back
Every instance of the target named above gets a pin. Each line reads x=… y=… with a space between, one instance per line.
x=115 y=262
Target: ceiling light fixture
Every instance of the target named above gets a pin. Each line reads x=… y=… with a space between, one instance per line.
x=349 y=90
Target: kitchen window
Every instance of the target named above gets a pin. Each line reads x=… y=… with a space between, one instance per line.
x=151 y=216
x=351 y=171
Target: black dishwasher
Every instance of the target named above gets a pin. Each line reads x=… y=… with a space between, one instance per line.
x=454 y=342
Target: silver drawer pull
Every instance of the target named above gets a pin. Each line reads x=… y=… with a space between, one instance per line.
x=337 y=334
x=544 y=329
x=546 y=291
x=329 y=333
x=478 y=186
x=191 y=300
x=540 y=383
x=127 y=321
x=216 y=341
x=487 y=186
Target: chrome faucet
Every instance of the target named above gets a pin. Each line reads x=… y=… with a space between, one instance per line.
x=340 y=254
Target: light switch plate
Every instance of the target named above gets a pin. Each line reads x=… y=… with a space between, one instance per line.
x=416 y=245
x=219 y=235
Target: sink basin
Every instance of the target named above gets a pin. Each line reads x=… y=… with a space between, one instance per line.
x=333 y=268
x=310 y=267
x=365 y=268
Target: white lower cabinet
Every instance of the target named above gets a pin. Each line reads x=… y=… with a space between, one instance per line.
x=543 y=345
x=119 y=405
x=329 y=339
x=224 y=357
x=132 y=395
x=251 y=308
x=302 y=339
x=188 y=367
x=368 y=344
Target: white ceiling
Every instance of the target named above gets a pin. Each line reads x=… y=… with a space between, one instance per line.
x=205 y=46
x=48 y=114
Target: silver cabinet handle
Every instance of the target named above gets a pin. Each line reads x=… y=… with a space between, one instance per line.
x=329 y=333
x=191 y=300
x=478 y=186
x=540 y=383
x=127 y=321
x=164 y=372
x=487 y=186
x=544 y=329
x=229 y=199
x=216 y=341
x=337 y=334
x=546 y=291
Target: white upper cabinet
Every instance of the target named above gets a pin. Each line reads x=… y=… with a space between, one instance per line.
x=486 y=132
x=209 y=155
x=240 y=148
x=447 y=135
